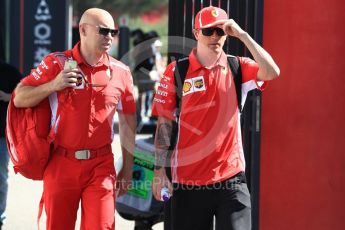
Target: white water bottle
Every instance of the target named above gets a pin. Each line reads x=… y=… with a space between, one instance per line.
x=165 y=194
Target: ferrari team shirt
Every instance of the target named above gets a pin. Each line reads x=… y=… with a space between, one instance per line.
x=209 y=147
x=87 y=111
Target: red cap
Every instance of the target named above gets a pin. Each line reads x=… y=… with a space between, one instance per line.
x=210 y=16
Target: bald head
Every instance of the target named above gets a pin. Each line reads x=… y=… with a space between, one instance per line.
x=94 y=42
x=97 y=16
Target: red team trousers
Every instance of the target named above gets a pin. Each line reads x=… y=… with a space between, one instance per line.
x=67 y=181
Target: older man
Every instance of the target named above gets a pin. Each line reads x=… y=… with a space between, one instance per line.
x=86 y=94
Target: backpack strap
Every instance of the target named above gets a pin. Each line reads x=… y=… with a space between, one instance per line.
x=61 y=57
x=40 y=211
x=180 y=73
x=235 y=67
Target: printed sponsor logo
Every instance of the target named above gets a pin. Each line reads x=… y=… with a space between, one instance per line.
x=165 y=78
x=187 y=86
x=199 y=83
x=194 y=84
x=165 y=86
x=215 y=13
x=80 y=83
x=162 y=93
x=34 y=73
x=44 y=65
x=161 y=101
x=39 y=71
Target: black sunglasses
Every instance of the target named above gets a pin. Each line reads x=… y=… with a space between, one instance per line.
x=105 y=31
x=210 y=31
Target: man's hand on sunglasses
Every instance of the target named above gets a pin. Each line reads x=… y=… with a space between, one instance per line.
x=231 y=28
x=211 y=30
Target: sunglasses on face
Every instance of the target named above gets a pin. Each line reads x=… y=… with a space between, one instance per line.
x=210 y=31
x=105 y=31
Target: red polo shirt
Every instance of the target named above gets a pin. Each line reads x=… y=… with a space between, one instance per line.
x=87 y=115
x=209 y=147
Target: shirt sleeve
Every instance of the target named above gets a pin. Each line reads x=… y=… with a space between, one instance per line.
x=249 y=70
x=127 y=102
x=249 y=75
x=164 y=102
x=46 y=71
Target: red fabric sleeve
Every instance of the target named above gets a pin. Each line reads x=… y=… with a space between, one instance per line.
x=46 y=71
x=249 y=74
x=127 y=98
x=164 y=102
x=249 y=69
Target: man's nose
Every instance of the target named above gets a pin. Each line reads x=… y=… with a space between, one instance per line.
x=108 y=36
x=214 y=34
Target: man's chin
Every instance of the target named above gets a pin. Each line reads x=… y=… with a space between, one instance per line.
x=105 y=49
x=215 y=49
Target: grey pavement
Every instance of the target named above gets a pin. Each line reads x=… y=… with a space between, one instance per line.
x=23 y=202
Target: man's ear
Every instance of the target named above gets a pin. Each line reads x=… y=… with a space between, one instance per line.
x=196 y=33
x=82 y=30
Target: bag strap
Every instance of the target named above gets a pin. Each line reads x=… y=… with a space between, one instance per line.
x=61 y=58
x=180 y=73
x=235 y=67
x=40 y=211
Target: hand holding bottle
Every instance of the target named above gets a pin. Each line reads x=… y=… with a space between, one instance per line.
x=161 y=186
x=165 y=194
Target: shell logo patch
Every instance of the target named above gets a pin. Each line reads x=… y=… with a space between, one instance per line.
x=187 y=86
x=215 y=13
x=193 y=85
